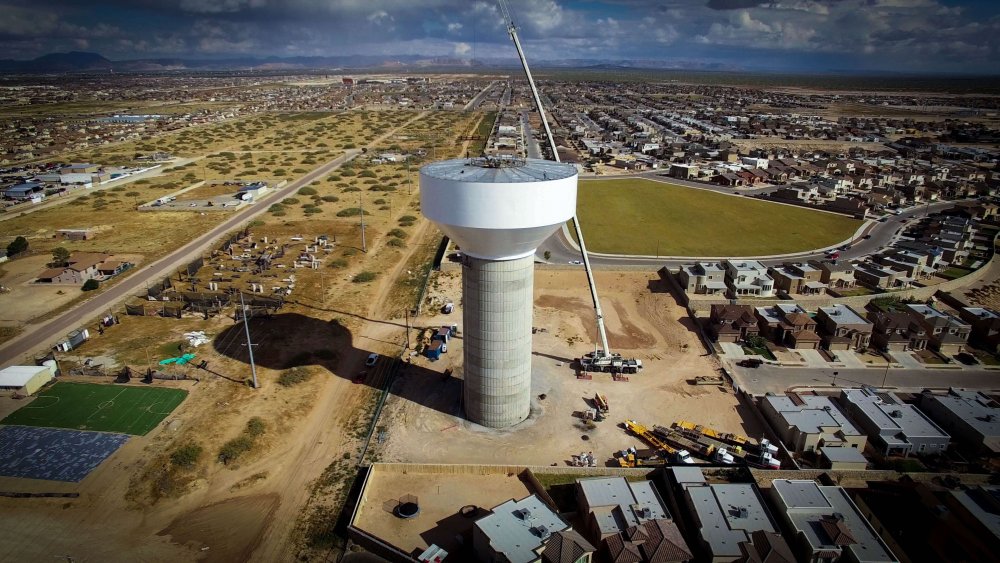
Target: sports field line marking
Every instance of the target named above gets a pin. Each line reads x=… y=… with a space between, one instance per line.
x=105 y=404
x=32 y=405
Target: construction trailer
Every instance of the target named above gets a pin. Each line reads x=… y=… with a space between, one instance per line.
x=435 y=349
x=678 y=454
x=758 y=454
x=706 y=451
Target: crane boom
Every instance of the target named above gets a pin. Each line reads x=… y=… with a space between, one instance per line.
x=601 y=332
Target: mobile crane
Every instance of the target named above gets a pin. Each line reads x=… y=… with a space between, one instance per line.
x=602 y=359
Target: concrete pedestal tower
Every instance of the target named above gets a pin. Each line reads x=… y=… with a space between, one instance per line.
x=498 y=210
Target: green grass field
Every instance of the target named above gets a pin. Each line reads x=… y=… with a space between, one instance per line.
x=105 y=408
x=636 y=216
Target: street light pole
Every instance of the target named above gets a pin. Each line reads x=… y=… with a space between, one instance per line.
x=888 y=363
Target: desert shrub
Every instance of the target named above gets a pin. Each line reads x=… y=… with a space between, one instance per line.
x=398 y=243
x=186 y=455
x=397 y=233
x=307 y=191
x=349 y=212
x=364 y=277
x=338 y=263
x=330 y=198
x=90 y=285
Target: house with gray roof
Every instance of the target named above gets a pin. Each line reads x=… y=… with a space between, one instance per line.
x=824 y=524
x=725 y=514
x=810 y=422
x=893 y=427
x=971 y=417
x=516 y=531
x=708 y=278
x=613 y=504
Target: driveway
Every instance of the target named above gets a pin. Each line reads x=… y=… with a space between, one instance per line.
x=907 y=360
x=733 y=351
x=813 y=358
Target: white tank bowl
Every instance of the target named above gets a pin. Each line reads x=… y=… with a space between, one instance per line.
x=498 y=209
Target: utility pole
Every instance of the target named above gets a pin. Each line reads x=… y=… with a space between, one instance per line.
x=406 y=313
x=250 y=345
x=885 y=376
x=361 y=205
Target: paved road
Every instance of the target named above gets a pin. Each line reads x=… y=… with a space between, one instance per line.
x=530 y=143
x=776 y=379
x=46 y=334
x=474 y=103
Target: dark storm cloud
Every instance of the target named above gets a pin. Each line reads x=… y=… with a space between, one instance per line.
x=734 y=4
x=898 y=34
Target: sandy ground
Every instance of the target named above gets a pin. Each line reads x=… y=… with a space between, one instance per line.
x=439 y=521
x=643 y=320
x=26 y=300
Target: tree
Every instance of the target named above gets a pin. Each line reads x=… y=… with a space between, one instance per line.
x=60 y=255
x=90 y=285
x=19 y=245
x=547 y=254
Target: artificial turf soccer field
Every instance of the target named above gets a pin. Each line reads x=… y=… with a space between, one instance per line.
x=105 y=408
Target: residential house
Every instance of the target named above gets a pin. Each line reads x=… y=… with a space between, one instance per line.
x=896 y=331
x=516 y=531
x=81 y=267
x=748 y=277
x=972 y=418
x=766 y=547
x=921 y=524
x=654 y=541
x=787 y=324
x=946 y=333
x=876 y=277
x=985 y=325
x=726 y=515
x=568 y=546
x=732 y=323
x=683 y=171
x=808 y=423
x=843 y=328
x=706 y=278
x=825 y=525
x=893 y=427
x=835 y=275
x=797 y=278
x=630 y=521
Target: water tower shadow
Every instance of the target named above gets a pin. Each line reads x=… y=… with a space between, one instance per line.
x=289 y=340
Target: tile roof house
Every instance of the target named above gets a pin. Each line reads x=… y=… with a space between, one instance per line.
x=896 y=332
x=732 y=323
x=567 y=546
x=788 y=324
x=766 y=547
x=653 y=541
x=946 y=333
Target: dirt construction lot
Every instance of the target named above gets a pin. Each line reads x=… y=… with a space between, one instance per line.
x=643 y=321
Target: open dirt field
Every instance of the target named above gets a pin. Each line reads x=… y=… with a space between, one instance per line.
x=644 y=321
x=279 y=500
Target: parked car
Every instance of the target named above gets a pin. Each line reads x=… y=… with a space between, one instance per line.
x=372 y=358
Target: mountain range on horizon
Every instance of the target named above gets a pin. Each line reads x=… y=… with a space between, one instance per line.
x=78 y=61
x=86 y=62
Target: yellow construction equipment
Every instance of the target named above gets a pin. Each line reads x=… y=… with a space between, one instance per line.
x=727 y=437
x=641 y=431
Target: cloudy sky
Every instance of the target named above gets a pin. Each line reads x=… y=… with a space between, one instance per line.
x=897 y=35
